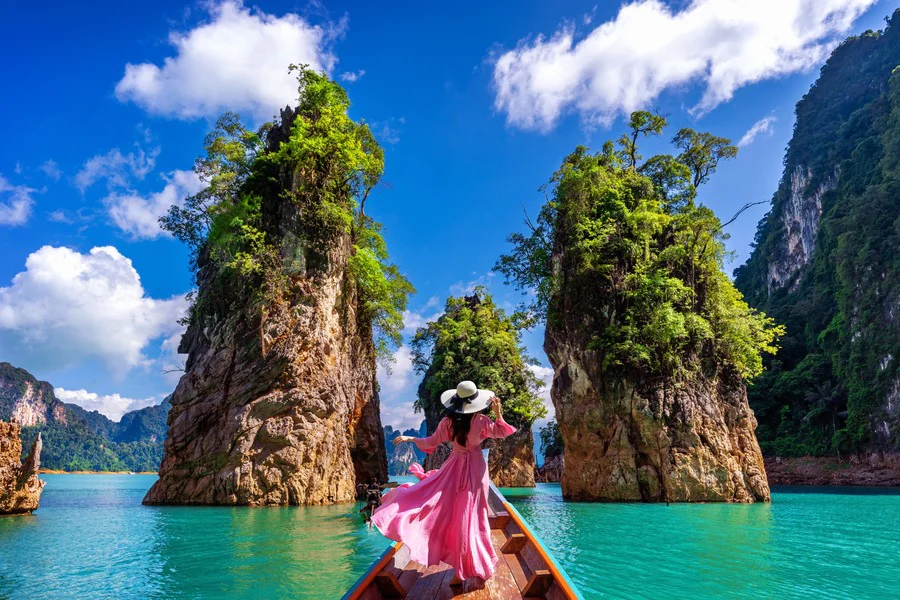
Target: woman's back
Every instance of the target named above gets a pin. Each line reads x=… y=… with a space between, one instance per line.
x=482 y=428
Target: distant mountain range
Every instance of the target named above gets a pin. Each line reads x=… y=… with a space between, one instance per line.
x=402 y=456
x=76 y=439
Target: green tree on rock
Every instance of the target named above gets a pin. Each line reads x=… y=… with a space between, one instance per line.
x=625 y=268
x=337 y=163
x=475 y=339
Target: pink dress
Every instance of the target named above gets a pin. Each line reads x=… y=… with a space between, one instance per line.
x=444 y=517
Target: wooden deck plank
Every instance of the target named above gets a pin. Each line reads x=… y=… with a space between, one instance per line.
x=531 y=557
x=514 y=543
x=427 y=587
x=371 y=593
x=474 y=588
x=556 y=593
x=411 y=575
x=538 y=584
x=502 y=586
x=445 y=592
x=500 y=520
x=515 y=567
x=388 y=584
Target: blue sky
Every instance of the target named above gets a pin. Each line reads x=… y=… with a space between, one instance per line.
x=475 y=103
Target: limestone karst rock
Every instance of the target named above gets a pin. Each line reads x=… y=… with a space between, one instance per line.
x=651 y=345
x=824 y=263
x=281 y=409
x=692 y=444
x=20 y=487
x=401 y=456
x=551 y=471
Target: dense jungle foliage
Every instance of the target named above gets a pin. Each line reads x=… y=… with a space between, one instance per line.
x=622 y=251
x=74 y=447
x=476 y=340
x=84 y=440
x=828 y=391
x=551 y=440
x=273 y=211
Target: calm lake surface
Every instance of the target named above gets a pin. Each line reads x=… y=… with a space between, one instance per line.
x=92 y=538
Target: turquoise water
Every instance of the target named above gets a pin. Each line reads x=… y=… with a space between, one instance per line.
x=92 y=538
x=808 y=543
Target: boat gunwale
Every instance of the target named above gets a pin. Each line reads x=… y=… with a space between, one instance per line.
x=559 y=574
x=367 y=578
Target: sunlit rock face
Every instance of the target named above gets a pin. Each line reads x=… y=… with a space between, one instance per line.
x=693 y=443
x=800 y=221
x=20 y=487
x=281 y=410
x=26 y=400
x=551 y=471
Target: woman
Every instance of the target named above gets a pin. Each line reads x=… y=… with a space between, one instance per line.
x=444 y=517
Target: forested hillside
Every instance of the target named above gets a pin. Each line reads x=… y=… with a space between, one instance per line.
x=826 y=262
x=76 y=439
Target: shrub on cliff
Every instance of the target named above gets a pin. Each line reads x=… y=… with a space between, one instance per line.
x=334 y=164
x=622 y=247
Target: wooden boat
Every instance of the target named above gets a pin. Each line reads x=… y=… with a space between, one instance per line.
x=526 y=569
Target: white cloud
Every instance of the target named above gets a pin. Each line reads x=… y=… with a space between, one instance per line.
x=545 y=374
x=352 y=76
x=138 y=215
x=626 y=63
x=398 y=391
x=401 y=416
x=111 y=405
x=401 y=372
x=60 y=216
x=15 y=203
x=237 y=60
x=116 y=168
x=763 y=126
x=461 y=288
x=51 y=170
x=388 y=132
x=67 y=307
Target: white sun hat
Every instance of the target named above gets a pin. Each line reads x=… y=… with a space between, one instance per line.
x=466 y=398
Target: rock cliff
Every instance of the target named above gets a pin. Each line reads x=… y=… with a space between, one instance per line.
x=400 y=457
x=551 y=471
x=77 y=439
x=824 y=263
x=692 y=443
x=650 y=343
x=26 y=400
x=279 y=406
x=20 y=487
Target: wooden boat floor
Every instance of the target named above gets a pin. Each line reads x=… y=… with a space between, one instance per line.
x=522 y=571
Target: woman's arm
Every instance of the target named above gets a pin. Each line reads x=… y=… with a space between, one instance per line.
x=428 y=444
x=498 y=429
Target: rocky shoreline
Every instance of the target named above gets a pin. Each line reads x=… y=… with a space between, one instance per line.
x=20 y=487
x=868 y=471
x=876 y=471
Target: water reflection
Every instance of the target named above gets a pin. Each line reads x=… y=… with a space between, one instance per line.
x=93 y=539
x=299 y=552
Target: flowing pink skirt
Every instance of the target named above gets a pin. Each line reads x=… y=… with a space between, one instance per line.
x=444 y=517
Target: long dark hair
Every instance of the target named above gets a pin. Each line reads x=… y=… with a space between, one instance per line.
x=459 y=425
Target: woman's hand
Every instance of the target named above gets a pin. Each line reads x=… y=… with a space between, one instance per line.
x=400 y=439
x=495 y=405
